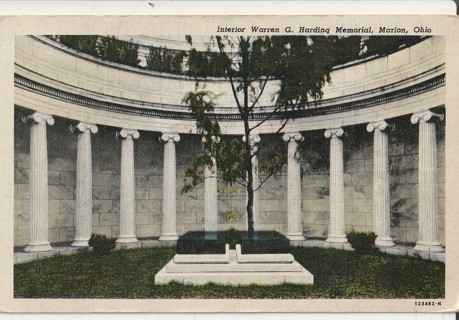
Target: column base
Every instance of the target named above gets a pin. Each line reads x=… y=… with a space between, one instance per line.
x=384 y=242
x=295 y=236
x=127 y=239
x=168 y=237
x=80 y=243
x=429 y=247
x=336 y=239
x=38 y=247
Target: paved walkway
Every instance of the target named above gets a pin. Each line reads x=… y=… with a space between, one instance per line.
x=399 y=250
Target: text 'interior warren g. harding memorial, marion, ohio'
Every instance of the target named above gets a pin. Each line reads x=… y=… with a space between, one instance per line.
x=141 y=139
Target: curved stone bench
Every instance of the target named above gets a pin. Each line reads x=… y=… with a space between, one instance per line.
x=263 y=258
x=203 y=258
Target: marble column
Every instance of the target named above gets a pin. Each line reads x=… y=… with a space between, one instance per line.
x=428 y=202
x=38 y=183
x=336 y=233
x=83 y=212
x=211 y=197
x=294 y=221
x=381 y=200
x=169 y=228
x=127 y=187
x=254 y=139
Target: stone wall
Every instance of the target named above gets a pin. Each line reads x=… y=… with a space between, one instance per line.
x=61 y=180
x=358 y=180
x=106 y=151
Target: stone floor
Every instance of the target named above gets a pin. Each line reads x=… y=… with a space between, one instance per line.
x=400 y=250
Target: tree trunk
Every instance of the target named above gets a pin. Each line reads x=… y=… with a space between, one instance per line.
x=245 y=74
x=249 y=169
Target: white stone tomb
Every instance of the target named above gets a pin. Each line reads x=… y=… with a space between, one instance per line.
x=234 y=268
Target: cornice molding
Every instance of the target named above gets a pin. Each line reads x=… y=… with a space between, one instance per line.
x=323 y=107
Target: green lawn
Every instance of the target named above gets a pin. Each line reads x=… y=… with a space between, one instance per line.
x=130 y=274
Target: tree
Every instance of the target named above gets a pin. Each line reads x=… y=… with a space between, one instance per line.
x=300 y=65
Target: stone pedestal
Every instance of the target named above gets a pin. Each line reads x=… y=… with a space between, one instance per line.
x=127 y=187
x=336 y=233
x=294 y=223
x=169 y=228
x=38 y=183
x=381 y=200
x=234 y=268
x=428 y=202
x=83 y=212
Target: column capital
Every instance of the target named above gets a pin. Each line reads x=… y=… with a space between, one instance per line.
x=380 y=125
x=336 y=132
x=125 y=133
x=253 y=139
x=166 y=136
x=426 y=116
x=213 y=138
x=82 y=127
x=292 y=136
x=39 y=117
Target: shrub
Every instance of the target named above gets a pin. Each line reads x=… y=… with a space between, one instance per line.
x=362 y=241
x=114 y=50
x=164 y=60
x=82 y=43
x=100 y=244
x=232 y=237
x=108 y=48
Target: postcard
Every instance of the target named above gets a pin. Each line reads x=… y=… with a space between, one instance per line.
x=229 y=163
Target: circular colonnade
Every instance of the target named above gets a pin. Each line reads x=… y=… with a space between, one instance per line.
x=129 y=190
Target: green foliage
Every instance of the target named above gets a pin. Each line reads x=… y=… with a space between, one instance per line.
x=205 y=64
x=231 y=160
x=362 y=241
x=264 y=49
x=164 y=60
x=349 y=50
x=128 y=274
x=100 y=244
x=114 y=50
x=202 y=105
x=302 y=65
x=232 y=237
x=86 y=44
x=107 y=48
x=305 y=67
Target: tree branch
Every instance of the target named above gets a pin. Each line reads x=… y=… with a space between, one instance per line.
x=228 y=70
x=261 y=91
x=270 y=116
